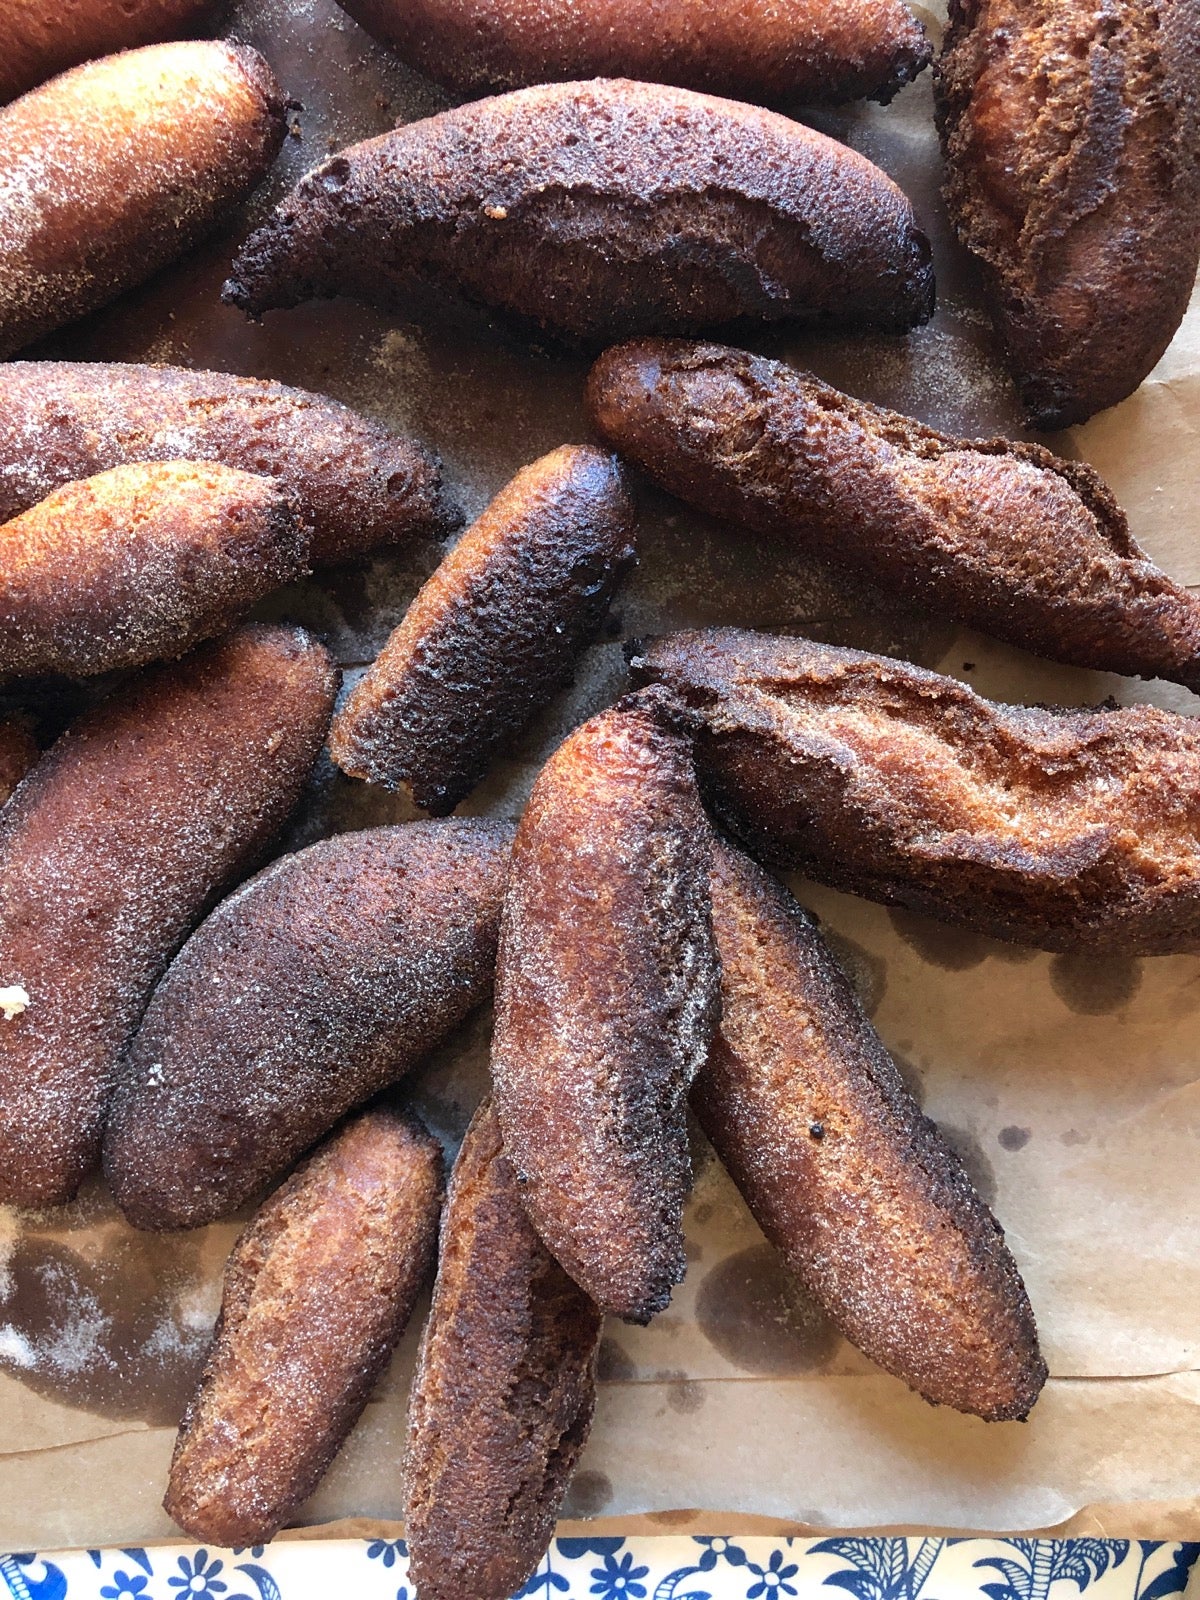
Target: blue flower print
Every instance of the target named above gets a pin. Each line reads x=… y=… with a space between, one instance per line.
x=386 y=1550
x=124 y=1586
x=772 y=1579
x=719 y=1550
x=617 y=1580
x=198 y=1576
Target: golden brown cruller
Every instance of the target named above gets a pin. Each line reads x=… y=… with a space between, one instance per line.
x=43 y=38
x=318 y=1290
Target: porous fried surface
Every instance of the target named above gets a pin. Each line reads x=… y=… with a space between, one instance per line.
x=866 y=1203
x=18 y=752
x=359 y=485
x=117 y=167
x=1072 y=140
x=607 y=991
x=318 y=1290
x=40 y=40
x=805 y=50
x=495 y=631
x=600 y=209
x=504 y=1390
x=129 y=827
x=141 y=562
x=1070 y=830
x=1004 y=537
x=317 y=984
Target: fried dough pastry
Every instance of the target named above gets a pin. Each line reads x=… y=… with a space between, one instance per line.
x=867 y=1205
x=607 y=991
x=141 y=562
x=318 y=1290
x=119 y=166
x=1069 y=830
x=145 y=810
x=321 y=981
x=1004 y=537
x=1072 y=140
x=18 y=752
x=595 y=210
x=494 y=632
x=504 y=1390
x=358 y=485
x=807 y=50
x=41 y=39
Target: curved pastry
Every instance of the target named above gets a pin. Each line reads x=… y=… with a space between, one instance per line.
x=607 y=991
x=494 y=632
x=334 y=970
x=40 y=40
x=359 y=485
x=807 y=50
x=18 y=752
x=600 y=209
x=1003 y=537
x=504 y=1391
x=1072 y=141
x=1069 y=830
x=119 y=166
x=139 y=563
x=145 y=810
x=851 y=1184
x=318 y=1290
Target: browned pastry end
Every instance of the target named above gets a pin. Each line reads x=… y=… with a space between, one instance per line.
x=41 y=39
x=317 y=984
x=607 y=991
x=1004 y=537
x=504 y=1390
x=128 y=828
x=117 y=167
x=318 y=1290
x=359 y=485
x=1065 y=829
x=866 y=1203
x=600 y=209
x=494 y=633
x=807 y=50
x=18 y=752
x=141 y=562
x=1072 y=139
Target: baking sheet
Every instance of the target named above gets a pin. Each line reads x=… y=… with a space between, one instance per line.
x=1070 y=1084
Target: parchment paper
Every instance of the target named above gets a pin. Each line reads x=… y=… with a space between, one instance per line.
x=1071 y=1085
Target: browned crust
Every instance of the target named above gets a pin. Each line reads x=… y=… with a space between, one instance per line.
x=494 y=633
x=1004 y=537
x=18 y=752
x=125 y=832
x=868 y=1206
x=41 y=39
x=140 y=563
x=600 y=209
x=1072 y=139
x=360 y=486
x=1064 y=829
x=117 y=167
x=317 y=984
x=318 y=1290
x=807 y=50
x=607 y=991
x=504 y=1390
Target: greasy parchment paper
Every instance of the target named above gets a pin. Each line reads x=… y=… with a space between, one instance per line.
x=1071 y=1085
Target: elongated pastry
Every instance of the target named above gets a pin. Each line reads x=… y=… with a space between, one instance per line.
x=600 y=209
x=141 y=562
x=494 y=632
x=119 y=166
x=359 y=485
x=808 y=50
x=18 y=752
x=317 y=984
x=318 y=1290
x=867 y=1205
x=607 y=992
x=40 y=40
x=1070 y=830
x=504 y=1390
x=128 y=828
x=1004 y=537
x=1072 y=139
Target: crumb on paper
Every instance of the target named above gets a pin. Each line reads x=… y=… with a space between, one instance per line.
x=13 y=1000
